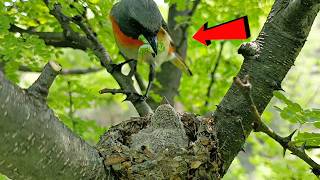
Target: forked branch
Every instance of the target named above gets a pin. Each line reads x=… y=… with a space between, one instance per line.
x=91 y=42
x=259 y=126
x=41 y=86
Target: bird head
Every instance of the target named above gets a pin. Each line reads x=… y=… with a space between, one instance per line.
x=139 y=17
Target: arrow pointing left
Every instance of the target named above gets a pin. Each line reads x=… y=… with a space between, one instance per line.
x=232 y=30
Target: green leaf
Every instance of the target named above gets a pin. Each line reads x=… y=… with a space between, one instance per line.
x=293 y=112
x=5 y=23
x=309 y=138
x=312 y=115
x=11 y=69
x=317 y=124
x=288 y=114
x=285 y=100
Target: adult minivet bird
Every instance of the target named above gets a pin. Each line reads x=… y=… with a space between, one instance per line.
x=134 y=21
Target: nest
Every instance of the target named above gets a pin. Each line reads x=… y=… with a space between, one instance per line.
x=165 y=145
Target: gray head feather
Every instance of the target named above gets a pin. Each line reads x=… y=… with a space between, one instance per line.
x=145 y=12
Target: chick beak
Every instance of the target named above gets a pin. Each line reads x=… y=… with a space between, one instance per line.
x=153 y=43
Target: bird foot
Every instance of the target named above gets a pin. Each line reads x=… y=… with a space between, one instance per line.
x=115 y=67
x=143 y=97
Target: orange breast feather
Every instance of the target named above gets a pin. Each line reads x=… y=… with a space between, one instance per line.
x=122 y=38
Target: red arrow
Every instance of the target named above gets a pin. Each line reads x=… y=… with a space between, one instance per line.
x=232 y=30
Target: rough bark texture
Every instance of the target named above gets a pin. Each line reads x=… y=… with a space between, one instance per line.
x=36 y=145
x=267 y=61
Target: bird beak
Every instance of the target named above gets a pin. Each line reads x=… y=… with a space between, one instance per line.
x=154 y=44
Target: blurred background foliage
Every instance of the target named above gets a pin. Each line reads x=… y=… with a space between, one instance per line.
x=76 y=101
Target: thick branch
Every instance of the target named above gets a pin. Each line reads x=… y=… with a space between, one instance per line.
x=40 y=87
x=36 y=145
x=267 y=61
x=260 y=126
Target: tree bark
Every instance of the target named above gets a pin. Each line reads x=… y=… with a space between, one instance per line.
x=267 y=60
x=36 y=145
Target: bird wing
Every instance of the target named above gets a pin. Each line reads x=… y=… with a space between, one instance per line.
x=165 y=25
x=175 y=59
x=172 y=47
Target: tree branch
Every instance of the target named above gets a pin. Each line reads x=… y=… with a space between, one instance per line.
x=213 y=73
x=194 y=7
x=91 y=41
x=65 y=71
x=267 y=60
x=79 y=71
x=36 y=145
x=40 y=88
x=139 y=80
x=114 y=91
x=56 y=39
x=260 y=126
x=71 y=110
x=137 y=76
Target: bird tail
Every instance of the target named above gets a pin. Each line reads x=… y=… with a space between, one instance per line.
x=180 y=64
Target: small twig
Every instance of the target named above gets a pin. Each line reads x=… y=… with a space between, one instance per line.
x=312 y=147
x=80 y=71
x=131 y=96
x=65 y=71
x=194 y=7
x=97 y=46
x=213 y=73
x=183 y=33
x=56 y=39
x=40 y=87
x=71 y=111
x=259 y=126
x=139 y=80
x=64 y=22
x=114 y=91
x=136 y=74
x=188 y=13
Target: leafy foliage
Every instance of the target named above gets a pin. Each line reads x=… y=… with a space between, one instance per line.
x=2 y=177
x=294 y=113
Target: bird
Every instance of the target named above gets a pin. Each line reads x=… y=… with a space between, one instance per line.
x=141 y=34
